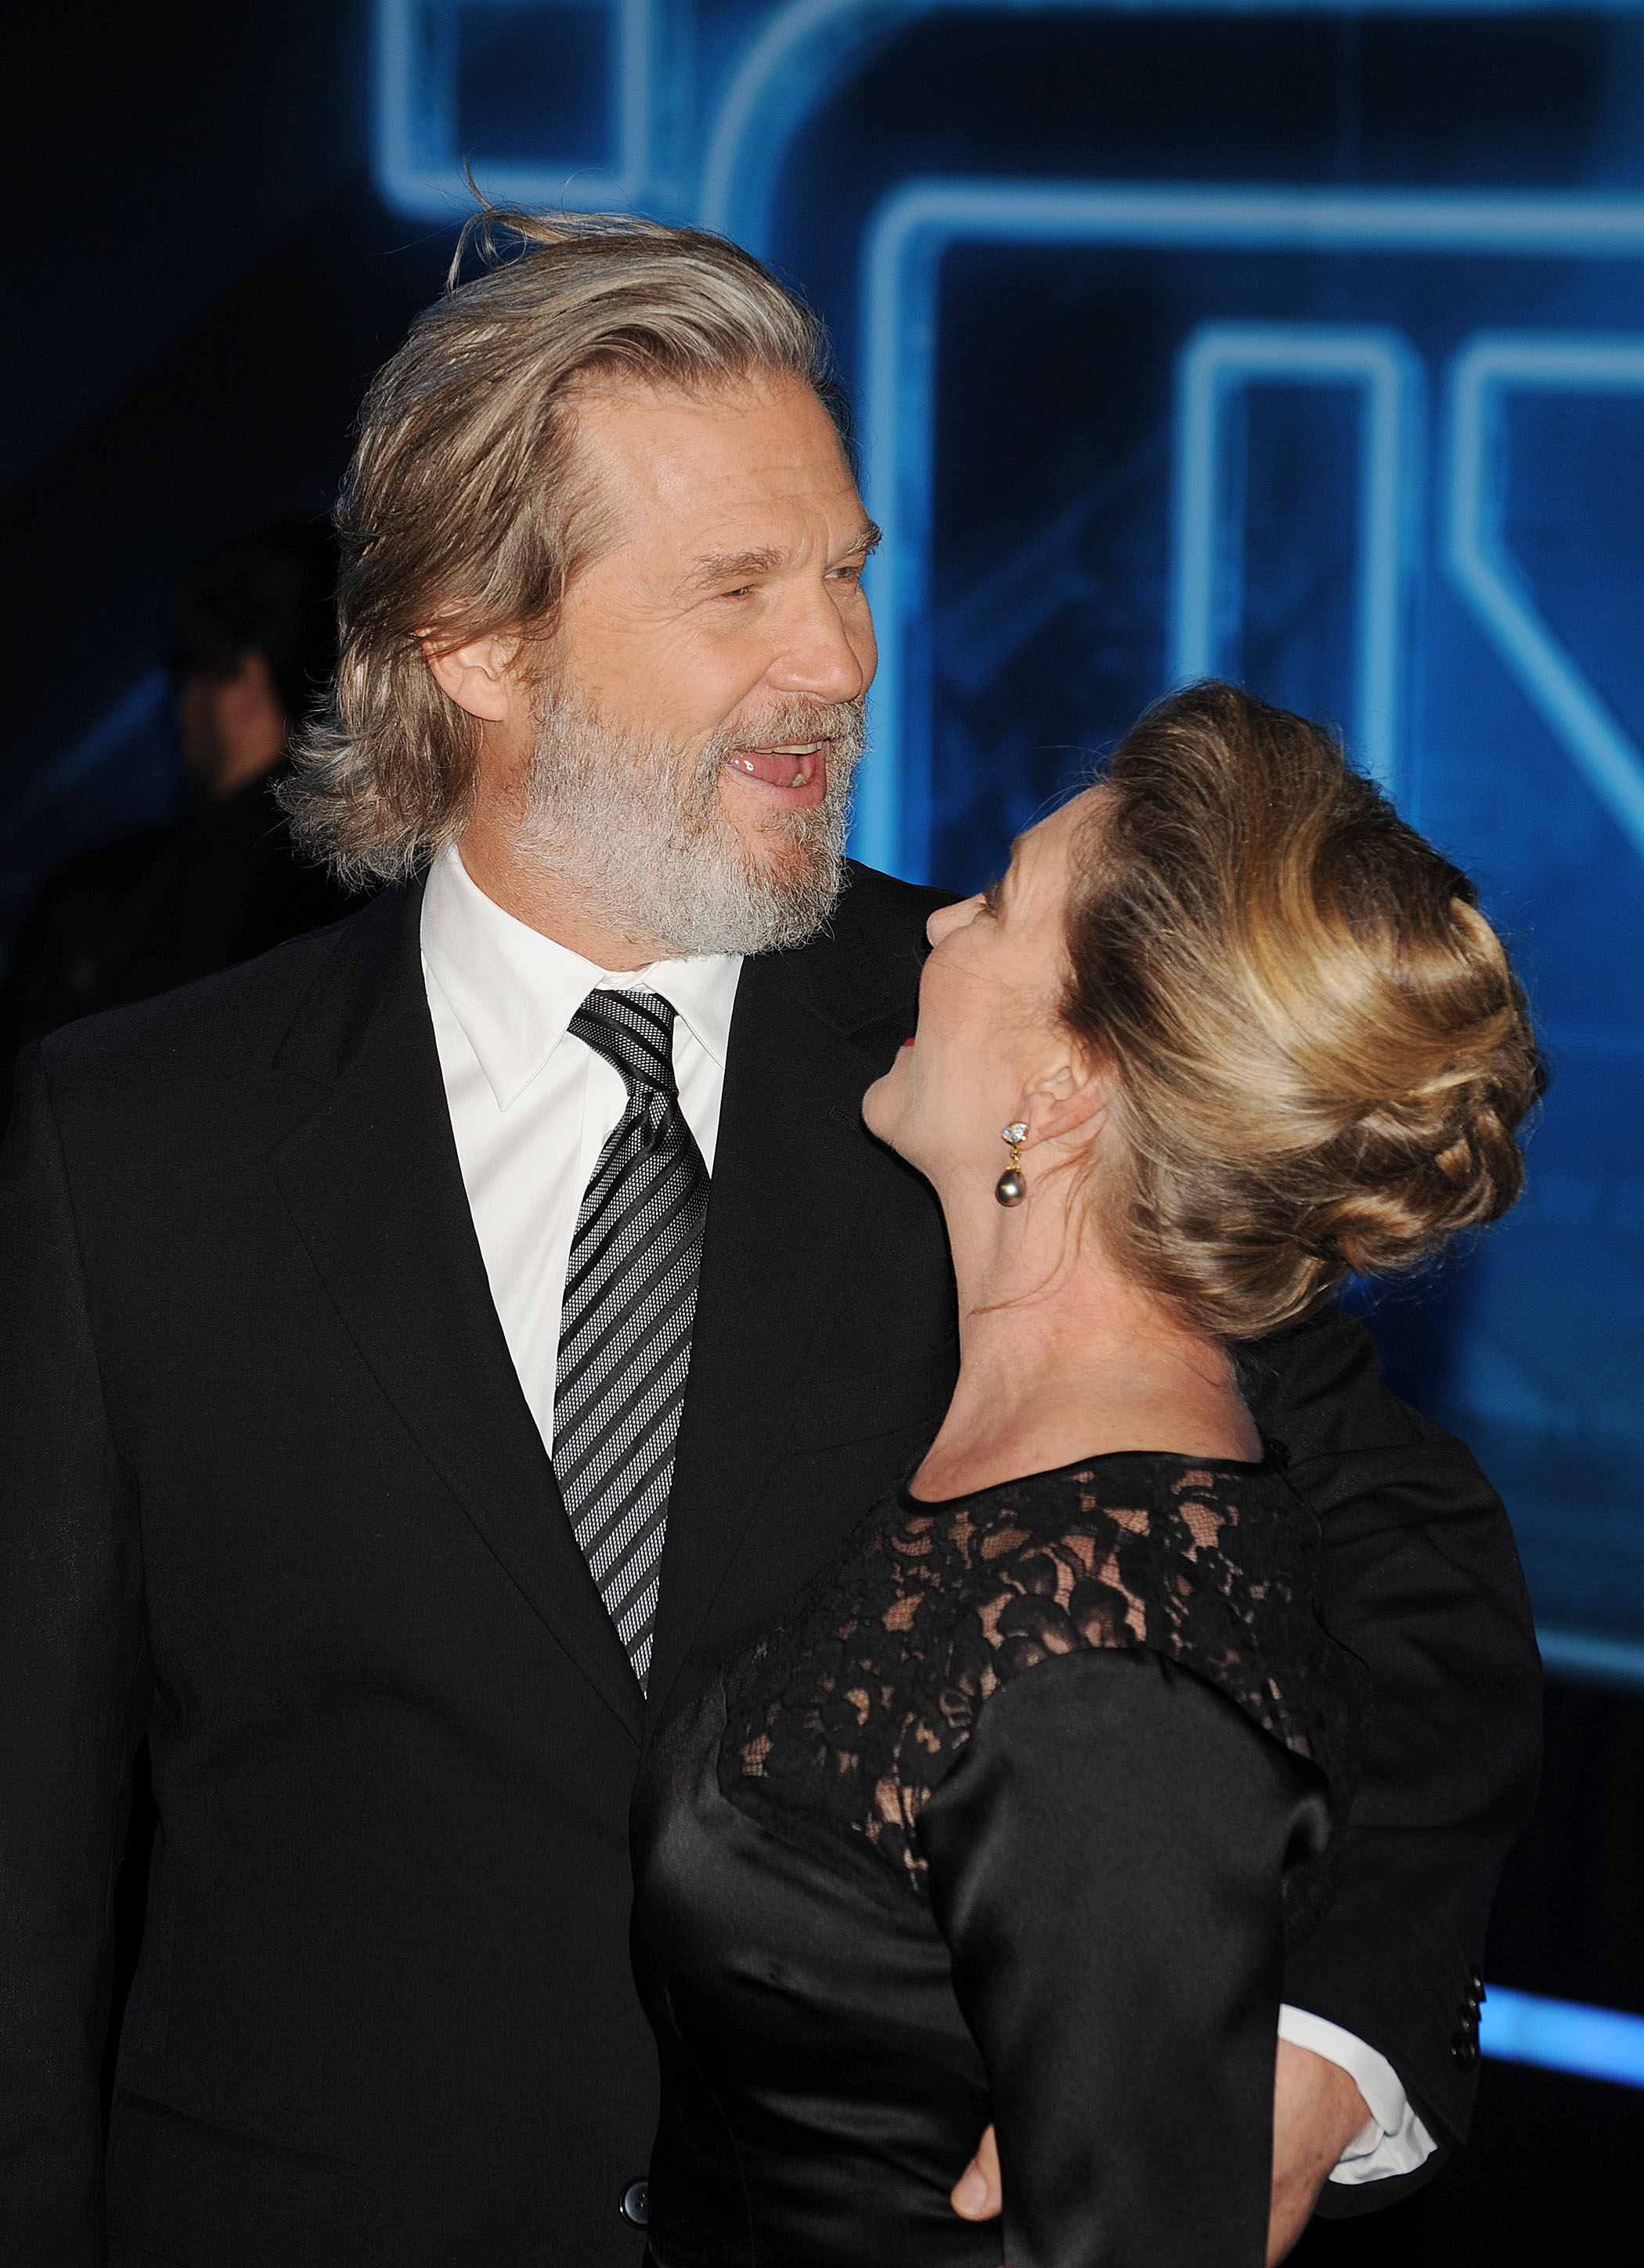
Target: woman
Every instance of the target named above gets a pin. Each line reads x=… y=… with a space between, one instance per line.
x=1010 y=1819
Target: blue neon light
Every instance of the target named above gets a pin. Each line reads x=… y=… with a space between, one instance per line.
x=902 y=259
x=1562 y=2036
x=701 y=111
x=418 y=164
x=794 y=58
x=1218 y=361
x=1485 y=571
x=1591 y=1657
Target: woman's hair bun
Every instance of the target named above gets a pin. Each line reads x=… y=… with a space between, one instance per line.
x=1322 y=1052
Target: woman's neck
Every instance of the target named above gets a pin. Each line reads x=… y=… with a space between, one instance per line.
x=1062 y=1358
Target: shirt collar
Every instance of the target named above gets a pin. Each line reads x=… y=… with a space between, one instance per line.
x=514 y=992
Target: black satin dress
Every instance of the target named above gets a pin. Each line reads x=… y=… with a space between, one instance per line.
x=1005 y=1823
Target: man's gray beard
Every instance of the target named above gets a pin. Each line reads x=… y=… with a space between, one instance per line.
x=639 y=830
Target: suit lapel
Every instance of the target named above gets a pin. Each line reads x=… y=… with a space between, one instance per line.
x=789 y=1166
x=372 y=1181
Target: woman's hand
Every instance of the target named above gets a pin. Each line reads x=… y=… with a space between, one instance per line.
x=978 y=2194
x=1317 y=2112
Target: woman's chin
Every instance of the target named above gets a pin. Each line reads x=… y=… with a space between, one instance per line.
x=877 y=1112
x=885 y=1105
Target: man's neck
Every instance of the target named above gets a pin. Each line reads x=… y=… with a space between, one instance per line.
x=551 y=905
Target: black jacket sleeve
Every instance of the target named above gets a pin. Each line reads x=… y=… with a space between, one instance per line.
x=1420 y=1579
x=1106 y=1863
x=71 y=1681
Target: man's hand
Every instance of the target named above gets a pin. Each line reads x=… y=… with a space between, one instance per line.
x=1317 y=2112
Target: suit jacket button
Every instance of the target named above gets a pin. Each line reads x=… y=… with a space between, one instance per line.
x=1464 y=2050
x=633 y=2204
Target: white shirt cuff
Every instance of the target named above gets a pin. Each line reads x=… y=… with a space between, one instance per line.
x=1392 y=2139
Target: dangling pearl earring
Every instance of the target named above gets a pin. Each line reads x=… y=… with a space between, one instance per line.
x=1011 y=1188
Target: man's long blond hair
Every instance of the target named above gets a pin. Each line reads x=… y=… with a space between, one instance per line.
x=465 y=513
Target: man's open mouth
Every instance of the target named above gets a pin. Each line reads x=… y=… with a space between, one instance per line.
x=796 y=770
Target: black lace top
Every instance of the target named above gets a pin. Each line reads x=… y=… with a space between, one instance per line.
x=854 y=1709
x=975 y=1835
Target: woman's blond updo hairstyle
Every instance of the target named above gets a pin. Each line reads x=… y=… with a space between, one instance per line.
x=1322 y=1051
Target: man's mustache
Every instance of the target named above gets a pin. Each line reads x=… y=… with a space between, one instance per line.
x=842 y=723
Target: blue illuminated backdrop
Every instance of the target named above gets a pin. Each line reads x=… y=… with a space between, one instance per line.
x=1297 y=344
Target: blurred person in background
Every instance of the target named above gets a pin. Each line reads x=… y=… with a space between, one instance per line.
x=253 y=643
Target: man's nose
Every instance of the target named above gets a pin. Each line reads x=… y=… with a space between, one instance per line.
x=820 y=656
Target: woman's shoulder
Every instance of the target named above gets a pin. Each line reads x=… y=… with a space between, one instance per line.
x=1120 y=1539
x=858 y=1701
x=1210 y=1561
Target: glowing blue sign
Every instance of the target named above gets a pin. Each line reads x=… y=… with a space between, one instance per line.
x=1364 y=441
x=915 y=227
x=1484 y=568
x=1217 y=364
x=420 y=149
x=1562 y=2036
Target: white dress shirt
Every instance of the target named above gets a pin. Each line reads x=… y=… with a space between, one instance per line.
x=1392 y=2139
x=531 y=1106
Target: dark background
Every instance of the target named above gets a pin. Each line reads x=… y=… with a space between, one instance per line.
x=201 y=282
x=204 y=270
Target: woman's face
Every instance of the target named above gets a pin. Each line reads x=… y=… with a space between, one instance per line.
x=988 y=1004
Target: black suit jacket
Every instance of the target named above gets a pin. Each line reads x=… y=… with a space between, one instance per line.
x=272 y=1493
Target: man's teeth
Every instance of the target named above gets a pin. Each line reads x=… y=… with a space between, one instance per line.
x=749 y=760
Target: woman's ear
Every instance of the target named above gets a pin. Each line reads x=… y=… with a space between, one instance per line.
x=478 y=677
x=1069 y=1097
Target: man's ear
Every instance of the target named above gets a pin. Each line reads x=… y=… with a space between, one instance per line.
x=478 y=676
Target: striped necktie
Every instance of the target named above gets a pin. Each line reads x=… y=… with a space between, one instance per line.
x=624 y=1331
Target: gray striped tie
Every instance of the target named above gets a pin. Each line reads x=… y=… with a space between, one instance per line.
x=624 y=1330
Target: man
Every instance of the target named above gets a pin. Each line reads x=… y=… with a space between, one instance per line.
x=385 y=1432
x=253 y=645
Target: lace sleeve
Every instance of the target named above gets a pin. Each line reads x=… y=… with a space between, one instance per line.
x=853 y=1710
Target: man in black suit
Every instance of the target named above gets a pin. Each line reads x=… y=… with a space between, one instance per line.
x=348 y=1306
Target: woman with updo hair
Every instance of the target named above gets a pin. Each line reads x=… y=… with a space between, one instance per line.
x=1317 y=1049
x=1012 y=1819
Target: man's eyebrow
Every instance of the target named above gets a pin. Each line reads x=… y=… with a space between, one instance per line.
x=715 y=567
x=733 y=566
